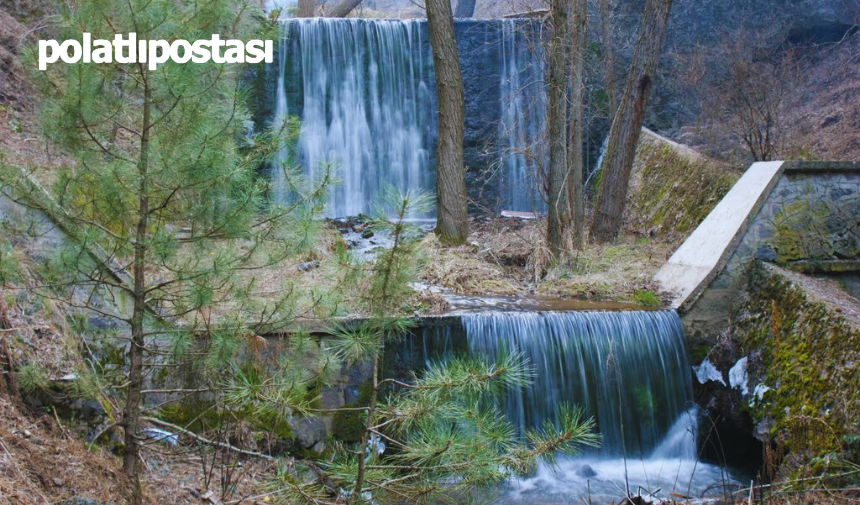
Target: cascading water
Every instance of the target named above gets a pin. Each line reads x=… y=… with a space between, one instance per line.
x=363 y=92
x=627 y=369
x=359 y=88
x=522 y=107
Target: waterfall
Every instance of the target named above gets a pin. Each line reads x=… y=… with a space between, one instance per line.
x=363 y=91
x=627 y=369
x=359 y=88
x=522 y=105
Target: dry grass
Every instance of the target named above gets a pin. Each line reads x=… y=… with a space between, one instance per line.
x=509 y=257
x=609 y=273
x=462 y=270
x=41 y=463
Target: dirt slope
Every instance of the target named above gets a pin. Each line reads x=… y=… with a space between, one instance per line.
x=823 y=113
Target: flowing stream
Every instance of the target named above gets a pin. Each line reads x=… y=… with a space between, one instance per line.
x=627 y=369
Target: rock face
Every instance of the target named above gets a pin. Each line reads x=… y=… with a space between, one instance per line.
x=700 y=23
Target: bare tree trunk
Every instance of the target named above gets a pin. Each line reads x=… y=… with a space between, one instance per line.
x=452 y=221
x=465 y=8
x=627 y=123
x=306 y=9
x=606 y=9
x=558 y=196
x=131 y=413
x=343 y=9
x=578 y=35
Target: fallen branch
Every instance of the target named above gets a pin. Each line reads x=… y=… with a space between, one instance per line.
x=195 y=436
x=344 y=8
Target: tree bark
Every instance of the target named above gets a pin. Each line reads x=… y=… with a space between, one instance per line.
x=343 y=9
x=451 y=207
x=465 y=8
x=558 y=196
x=578 y=38
x=627 y=123
x=305 y=9
x=131 y=413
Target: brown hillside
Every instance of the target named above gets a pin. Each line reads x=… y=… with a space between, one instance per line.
x=823 y=112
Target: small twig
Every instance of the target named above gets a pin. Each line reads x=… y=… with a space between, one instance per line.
x=207 y=441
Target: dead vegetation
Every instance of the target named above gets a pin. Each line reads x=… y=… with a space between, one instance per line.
x=507 y=257
x=42 y=462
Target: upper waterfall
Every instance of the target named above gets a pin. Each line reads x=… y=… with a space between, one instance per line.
x=360 y=90
x=364 y=93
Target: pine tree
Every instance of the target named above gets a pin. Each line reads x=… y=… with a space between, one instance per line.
x=168 y=218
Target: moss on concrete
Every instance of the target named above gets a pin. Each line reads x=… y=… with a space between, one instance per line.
x=200 y=416
x=809 y=357
x=348 y=426
x=673 y=190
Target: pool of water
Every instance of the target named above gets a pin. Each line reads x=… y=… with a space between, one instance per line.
x=606 y=480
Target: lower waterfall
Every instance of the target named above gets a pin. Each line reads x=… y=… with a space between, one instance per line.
x=627 y=369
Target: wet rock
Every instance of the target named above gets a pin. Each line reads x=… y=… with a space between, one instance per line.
x=341 y=224
x=586 y=472
x=308 y=265
x=307 y=431
x=366 y=233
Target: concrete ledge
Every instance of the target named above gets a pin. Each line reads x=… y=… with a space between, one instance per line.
x=820 y=166
x=823 y=267
x=701 y=257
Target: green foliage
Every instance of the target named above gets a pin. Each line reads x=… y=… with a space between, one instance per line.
x=9 y=264
x=646 y=298
x=32 y=379
x=172 y=234
x=810 y=357
x=166 y=174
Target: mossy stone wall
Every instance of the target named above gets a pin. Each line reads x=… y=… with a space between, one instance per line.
x=811 y=216
x=809 y=358
x=673 y=188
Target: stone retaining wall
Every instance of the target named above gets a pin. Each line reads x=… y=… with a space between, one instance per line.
x=807 y=219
